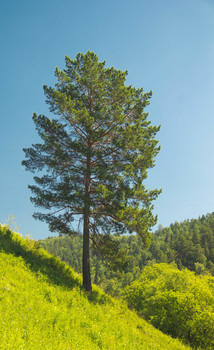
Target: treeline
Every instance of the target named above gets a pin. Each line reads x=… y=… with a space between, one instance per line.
x=189 y=244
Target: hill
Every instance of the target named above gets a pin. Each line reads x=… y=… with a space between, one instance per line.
x=189 y=244
x=43 y=306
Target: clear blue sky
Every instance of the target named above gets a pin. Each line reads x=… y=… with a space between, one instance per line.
x=166 y=46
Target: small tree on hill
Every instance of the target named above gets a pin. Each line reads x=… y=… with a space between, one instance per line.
x=94 y=157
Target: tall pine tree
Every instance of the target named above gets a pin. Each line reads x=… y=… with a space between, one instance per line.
x=94 y=156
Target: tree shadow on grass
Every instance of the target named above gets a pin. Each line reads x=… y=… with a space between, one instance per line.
x=38 y=260
x=41 y=262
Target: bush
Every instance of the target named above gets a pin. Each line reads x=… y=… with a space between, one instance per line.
x=177 y=302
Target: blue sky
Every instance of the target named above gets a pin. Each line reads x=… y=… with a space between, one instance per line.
x=166 y=46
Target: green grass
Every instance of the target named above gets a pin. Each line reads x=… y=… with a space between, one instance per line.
x=43 y=306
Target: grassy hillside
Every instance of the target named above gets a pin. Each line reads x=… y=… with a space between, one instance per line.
x=189 y=244
x=43 y=306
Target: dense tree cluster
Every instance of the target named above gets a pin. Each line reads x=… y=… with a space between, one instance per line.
x=189 y=244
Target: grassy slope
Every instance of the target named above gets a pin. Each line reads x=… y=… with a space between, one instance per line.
x=43 y=306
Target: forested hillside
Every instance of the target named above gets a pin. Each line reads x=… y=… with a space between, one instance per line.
x=189 y=244
x=43 y=306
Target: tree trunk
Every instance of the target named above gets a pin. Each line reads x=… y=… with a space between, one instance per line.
x=86 y=256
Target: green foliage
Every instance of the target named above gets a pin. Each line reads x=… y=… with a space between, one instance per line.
x=94 y=157
x=43 y=306
x=179 y=303
x=188 y=244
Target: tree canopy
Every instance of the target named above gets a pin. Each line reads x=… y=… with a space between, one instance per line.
x=94 y=157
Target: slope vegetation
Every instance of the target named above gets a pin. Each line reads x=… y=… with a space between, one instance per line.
x=179 y=303
x=189 y=244
x=43 y=306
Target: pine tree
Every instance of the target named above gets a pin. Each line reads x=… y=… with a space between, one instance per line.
x=94 y=157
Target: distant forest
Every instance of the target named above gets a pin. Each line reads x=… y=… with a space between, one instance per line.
x=189 y=244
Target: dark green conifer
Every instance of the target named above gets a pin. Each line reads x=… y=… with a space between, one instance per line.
x=94 y=156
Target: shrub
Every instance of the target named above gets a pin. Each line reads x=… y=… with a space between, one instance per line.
x=177 y=302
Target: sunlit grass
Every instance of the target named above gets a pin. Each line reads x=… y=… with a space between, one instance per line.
x=43 y=306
